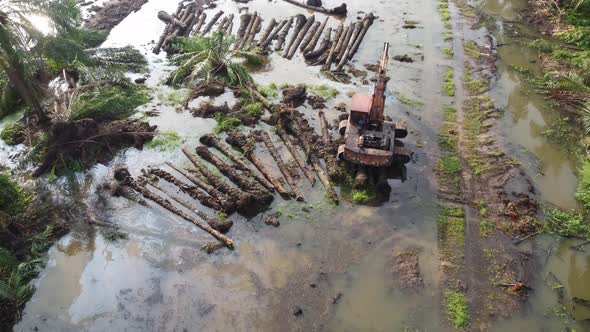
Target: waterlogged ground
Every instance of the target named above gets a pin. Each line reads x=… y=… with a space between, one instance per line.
x=332 y=262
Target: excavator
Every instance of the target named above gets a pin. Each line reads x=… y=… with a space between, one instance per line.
x=371 y=141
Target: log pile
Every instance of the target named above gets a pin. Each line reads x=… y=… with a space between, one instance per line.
x=298 y=34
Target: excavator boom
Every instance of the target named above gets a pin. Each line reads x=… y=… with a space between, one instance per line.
x=378 y=103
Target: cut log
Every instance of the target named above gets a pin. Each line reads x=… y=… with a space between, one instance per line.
x=230 y=28
x=255 y=29
x=244 y=22
x=222 y=226
x=221 y=24
x=267 y=32
x=357 y=29
x=300 y=37
x=324 y=46
x=199 y=25
x=212 y=141
x=212 y=22
x=300 y=21
x=228 y=23
x=246 y=203
x=367 y=22
x=263 y=135
x=122 y=175
x=227 y=204
x=169 y=19
x=251 y=23
x=345 y=43
x=264 y=44
x=314 y=41
x=310 y=34
x=335 y=44
x=242 y=180
x=291 y=147
x=247 y=145
x=283 y=34
x=336 y=11
x=324 y=128
x=190 y=190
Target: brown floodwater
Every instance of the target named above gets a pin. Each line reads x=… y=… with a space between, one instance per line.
x=330 y=261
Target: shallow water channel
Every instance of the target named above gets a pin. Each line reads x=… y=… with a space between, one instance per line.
x=332 y=262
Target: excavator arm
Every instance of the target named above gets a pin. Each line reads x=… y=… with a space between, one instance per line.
x=378 y=103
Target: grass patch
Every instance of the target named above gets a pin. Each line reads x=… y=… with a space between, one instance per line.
x=448 y=25
x=466 y=10
x=406 y=100
x=447 y=36
x=450 y=114
x=324 y=91
x=486 y=228
x=474 y=87
x=457 y=308
x=565 y=133
x=165 y=141
x=451 y=231
x=471 y=49
x=448 y=52
x=583 y=189
x=362 y=196
x=447 y=137
x=448 y=86
x=476 y=111
x=449 y=165
x=445 y=15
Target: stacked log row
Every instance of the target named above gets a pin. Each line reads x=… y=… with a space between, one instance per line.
x=313 y=39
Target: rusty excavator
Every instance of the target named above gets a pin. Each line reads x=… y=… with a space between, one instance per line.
x=371 y=140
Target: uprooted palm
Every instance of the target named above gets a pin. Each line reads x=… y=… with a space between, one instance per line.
x=207 y=57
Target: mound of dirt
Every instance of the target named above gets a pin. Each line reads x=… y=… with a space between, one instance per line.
x=294 y=96
x=405 y=270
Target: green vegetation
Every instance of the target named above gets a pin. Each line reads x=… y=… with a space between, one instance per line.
x=457 y=308
x=448 y=137
x=466 y=10
x=364 y=196
x=211 y=57
x=13 y=199
x=583 y=190
x=474 y=86
x=448 y=87
x=450 y=114
x=108 y=103
x=443 y=10
x=447 y=36
x=226 y=123
x=13 y=133
x=166 y=141
x=450 y=165
x=324 y=91
x=451 y=231
x=566 y=223
x=448 y=25
x=406 y=100
x=476 y=111
x=486 y=228
x=471 y=49
x=269 y=91
x=448 y=52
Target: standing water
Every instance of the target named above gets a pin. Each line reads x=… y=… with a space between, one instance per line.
x=331 y=262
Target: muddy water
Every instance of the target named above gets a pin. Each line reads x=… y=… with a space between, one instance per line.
x=332 y=262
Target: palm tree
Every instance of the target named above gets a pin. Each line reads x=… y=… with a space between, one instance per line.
x=207 y=57
x=20 y=52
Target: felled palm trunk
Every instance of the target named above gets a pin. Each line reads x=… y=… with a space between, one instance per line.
x=265 y=43
x=254 y=31
x=345 y=42
x=199 y=25
x=285 y=138
x=335 y=44
x=122 y=175
x=227 y=203
x=242 y=41
x=314 y=41
x=192 y=191
x=212 y=22
x=338 y=11
x=222 y=226
x=367 y=22
x=263 y=135
x=321 y=51
x=268 y=31
x=357 y=29
x=310 y=34
x=246 y=203
x=212 y=141
x=300 y=37
x=300 y=21
x=283 y=34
